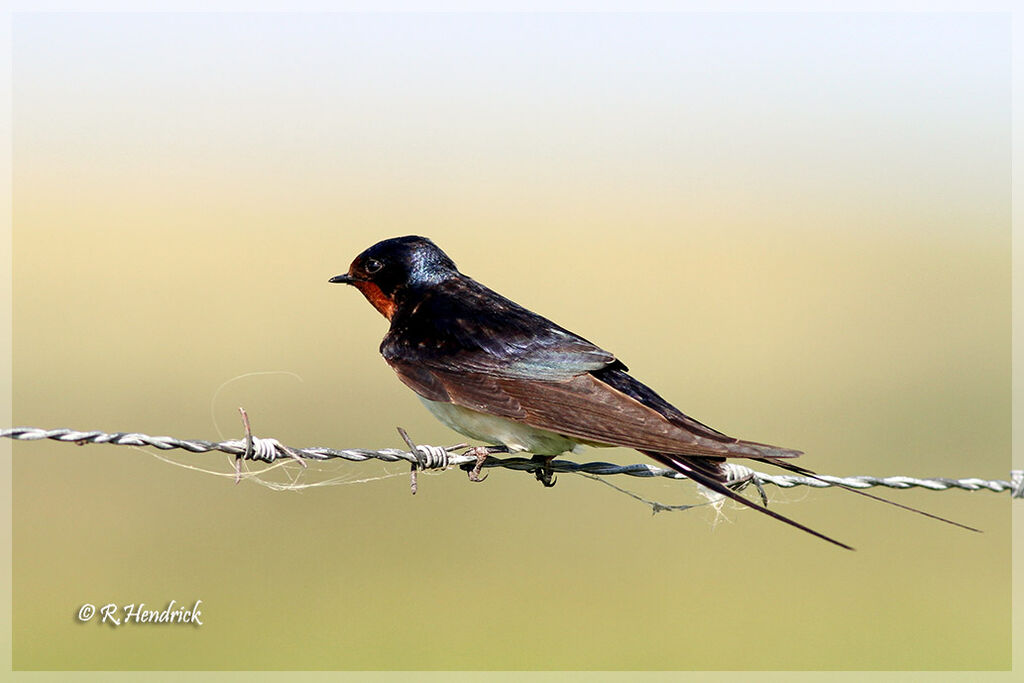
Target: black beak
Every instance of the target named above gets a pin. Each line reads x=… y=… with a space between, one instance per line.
x=344 y=279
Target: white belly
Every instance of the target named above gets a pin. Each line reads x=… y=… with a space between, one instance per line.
x=499 y=430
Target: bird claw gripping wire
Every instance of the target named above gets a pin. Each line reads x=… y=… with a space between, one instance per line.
x=480 y=453
x=545 y=475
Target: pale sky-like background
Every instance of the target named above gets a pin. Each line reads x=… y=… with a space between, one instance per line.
x=796 y=227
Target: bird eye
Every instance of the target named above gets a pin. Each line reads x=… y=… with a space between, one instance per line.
x=372 y=265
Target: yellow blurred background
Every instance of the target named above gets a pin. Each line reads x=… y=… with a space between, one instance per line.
x=794 y=227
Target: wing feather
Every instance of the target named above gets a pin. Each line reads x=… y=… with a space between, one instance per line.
x=582 y=407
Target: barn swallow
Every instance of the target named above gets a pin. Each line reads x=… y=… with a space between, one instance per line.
x=497 y=372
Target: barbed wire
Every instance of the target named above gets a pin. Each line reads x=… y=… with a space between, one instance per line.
x=421 y=457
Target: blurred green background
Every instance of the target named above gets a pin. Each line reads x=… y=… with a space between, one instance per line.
x=795 y=227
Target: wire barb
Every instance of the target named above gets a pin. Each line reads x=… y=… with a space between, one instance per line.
x=427 y=458
x=270 y=450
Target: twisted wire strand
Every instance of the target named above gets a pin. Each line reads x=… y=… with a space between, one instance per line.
x=269 y=450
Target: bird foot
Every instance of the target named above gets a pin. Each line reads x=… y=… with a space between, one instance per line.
x=545 y=475
x=480 y=453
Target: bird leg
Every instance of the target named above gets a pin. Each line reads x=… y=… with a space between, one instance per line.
x=544 y=473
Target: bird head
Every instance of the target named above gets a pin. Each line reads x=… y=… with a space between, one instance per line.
x=389 y=270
